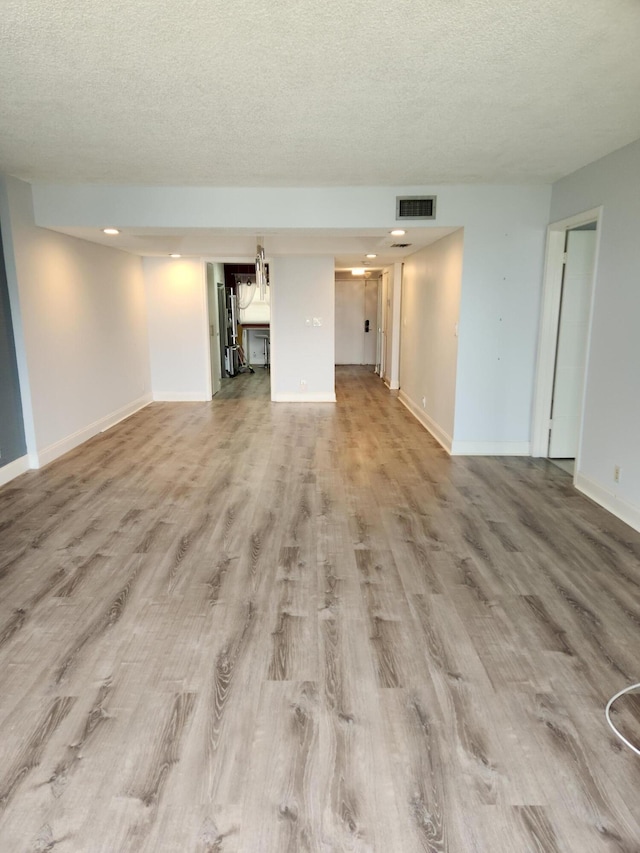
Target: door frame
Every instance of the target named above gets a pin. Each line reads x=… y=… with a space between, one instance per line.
x=223 y=259
x=548 y=333
x=383 y=286
x=212 y=325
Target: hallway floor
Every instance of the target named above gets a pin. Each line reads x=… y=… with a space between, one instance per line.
x=246 y=626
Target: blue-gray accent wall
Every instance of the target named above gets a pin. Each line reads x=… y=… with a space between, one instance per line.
x=12 y=442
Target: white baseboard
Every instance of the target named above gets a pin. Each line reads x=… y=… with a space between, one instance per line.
x=463 y=448
x=430 y=425
x=13 y=469
x=625 y=511
x=309 y=397
x=180 y=397
x=59 y=448
x=491 y=448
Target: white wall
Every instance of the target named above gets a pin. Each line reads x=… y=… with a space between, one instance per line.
x=302 y=288
x=81 y=335
x=611 y=427
x=431 y=285
x=178 y=329
x=504 y=227
x=384 y=324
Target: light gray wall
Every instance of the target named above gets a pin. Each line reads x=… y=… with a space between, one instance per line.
x=177 y=320
x=498 y=329
x=431 y=283
x=302 y=288
x=12 y=441
x=505 y=229
x=80 y=328
x=611 y=432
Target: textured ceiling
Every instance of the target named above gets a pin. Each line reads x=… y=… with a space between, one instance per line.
x=363 y=92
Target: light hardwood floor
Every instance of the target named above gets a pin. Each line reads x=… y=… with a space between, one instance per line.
x=240 y=626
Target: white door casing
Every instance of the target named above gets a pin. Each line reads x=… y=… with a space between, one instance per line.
x=571 y=352
x=549 y=319
x=371 y=314
x=214 y=331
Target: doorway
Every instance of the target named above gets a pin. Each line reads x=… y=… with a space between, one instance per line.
x=239 y=329
x=216 y=345
x=356 y=320
x=564 y=339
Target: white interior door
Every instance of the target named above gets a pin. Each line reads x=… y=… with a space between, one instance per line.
x=356 y=301
x=571 y=353
x=350 y=322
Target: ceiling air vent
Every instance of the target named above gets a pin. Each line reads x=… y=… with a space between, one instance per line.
x=415 y=207
x=400 y=245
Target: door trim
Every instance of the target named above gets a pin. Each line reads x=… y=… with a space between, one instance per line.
x=548 y=334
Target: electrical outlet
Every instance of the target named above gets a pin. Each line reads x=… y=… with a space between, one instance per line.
x=424 y=402
x=303 y=384
x=616 y=473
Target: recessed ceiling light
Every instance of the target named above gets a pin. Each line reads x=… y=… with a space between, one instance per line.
x=398 y=232
x=110 y=231
x=372 y=256
x=358 y=271
x=175 y=255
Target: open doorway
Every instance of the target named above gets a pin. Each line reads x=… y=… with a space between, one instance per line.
x=564 y=340
x=239 y=323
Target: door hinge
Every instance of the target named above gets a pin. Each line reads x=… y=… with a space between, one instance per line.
x=551 y=423
x=565 y=255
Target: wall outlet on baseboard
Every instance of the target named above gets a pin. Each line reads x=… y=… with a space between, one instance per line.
x=303 y=384
x=424 y=402
x=616 y=473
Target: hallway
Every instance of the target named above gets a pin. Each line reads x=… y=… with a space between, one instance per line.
x=247 y=626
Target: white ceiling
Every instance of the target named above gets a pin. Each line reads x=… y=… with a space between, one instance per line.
x=348 y=246
x=364 y=92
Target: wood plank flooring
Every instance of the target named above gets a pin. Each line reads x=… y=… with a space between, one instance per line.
x=240 y=626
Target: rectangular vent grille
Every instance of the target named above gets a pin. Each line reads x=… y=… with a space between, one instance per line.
x=400 y=245
x=416 y=207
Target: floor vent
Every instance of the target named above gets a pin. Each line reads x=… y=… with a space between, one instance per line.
x=416 y=207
